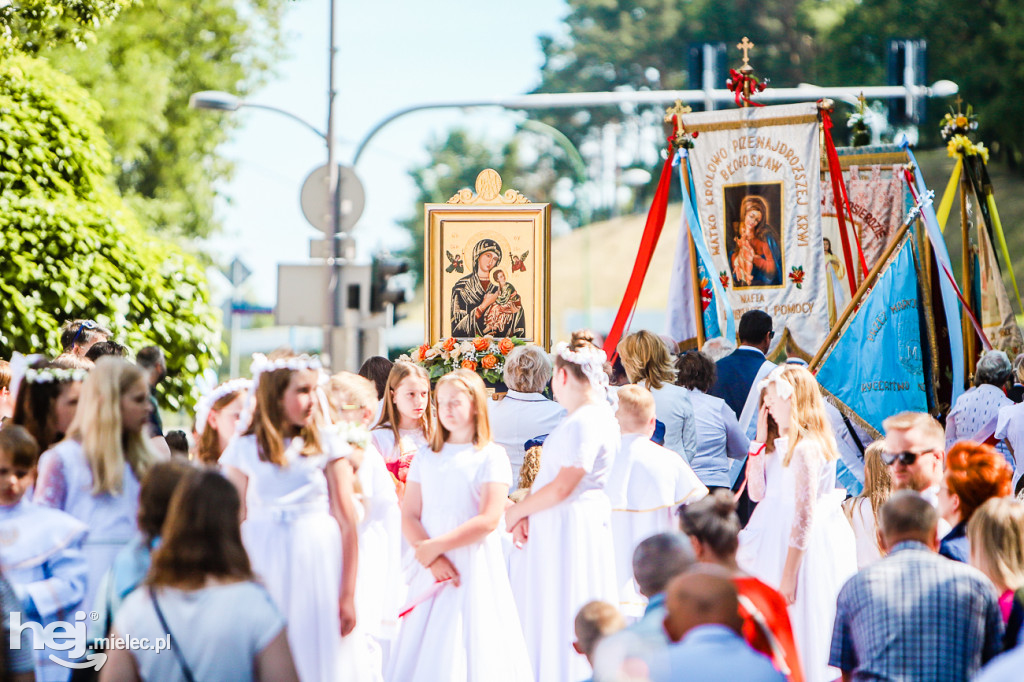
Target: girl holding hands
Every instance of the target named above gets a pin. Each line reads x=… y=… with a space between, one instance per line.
x=454 y=500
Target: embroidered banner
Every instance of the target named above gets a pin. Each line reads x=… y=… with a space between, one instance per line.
x=876 y=367
x=758 y=195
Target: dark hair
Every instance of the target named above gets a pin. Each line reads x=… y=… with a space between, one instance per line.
x=34 y=406
x=17 y=442
x=377 y=368
x=177 y=441
x=155 y=494
x=696 y=371
x=658 y=559
x=149 y=357
x=101 y=348
x=79 y=332
x=714 y=522
x=754 y=326
x=201 y=536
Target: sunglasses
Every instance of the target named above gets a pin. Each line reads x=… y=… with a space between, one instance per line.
x=88 y=324
x=905 y=458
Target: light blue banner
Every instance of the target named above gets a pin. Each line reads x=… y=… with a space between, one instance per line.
x=705 y=268
x=876 y=367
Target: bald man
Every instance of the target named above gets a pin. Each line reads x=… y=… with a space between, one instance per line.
x=703 y=618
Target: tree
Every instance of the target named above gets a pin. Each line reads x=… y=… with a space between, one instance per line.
x=73 y=248
x=31 y=25
x=977 y=43
x=142 y=69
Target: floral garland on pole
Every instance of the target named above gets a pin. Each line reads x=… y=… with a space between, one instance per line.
x=956 y=127
x=484 y=355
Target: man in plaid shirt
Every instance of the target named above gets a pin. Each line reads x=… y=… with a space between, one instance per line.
x=914 y=615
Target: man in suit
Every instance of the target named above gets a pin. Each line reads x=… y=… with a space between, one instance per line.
x=737 y=374
x=737 y=370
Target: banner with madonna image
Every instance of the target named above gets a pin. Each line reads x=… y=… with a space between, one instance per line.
x=758 y=195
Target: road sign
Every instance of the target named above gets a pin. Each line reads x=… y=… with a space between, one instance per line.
x=315 y=199
x=238 y=272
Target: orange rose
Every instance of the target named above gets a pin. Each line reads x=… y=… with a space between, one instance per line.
x=449 y=343
x=469 y=364
x=506 y=346
x=423 y=351
x=489 y=361
x=481 y=343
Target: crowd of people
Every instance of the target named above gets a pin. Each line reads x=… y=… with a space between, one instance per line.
x=659 y=515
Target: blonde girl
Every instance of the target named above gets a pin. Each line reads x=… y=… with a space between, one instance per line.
x=217 y=416
x=564 y=525
x=406 y=421
x=94 y=473
x=454 y=499
x=798 y=539
x=300 y=516
x=996 y=532
x=862 y=511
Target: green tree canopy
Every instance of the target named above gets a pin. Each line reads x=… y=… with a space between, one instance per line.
x=142 y=69
x=73 y=249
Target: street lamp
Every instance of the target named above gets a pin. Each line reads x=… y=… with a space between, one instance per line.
x=216 y=100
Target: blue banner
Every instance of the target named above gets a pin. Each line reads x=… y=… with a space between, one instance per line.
x=876 y=368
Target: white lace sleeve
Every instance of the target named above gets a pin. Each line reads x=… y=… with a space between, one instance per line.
x=757 y=482
x=807 y=462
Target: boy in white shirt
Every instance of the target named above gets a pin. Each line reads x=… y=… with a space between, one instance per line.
x=646 y=484
x=40 y=555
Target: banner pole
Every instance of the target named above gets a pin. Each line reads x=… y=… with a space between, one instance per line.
x=967 y=277
x=698 y=295
x=862 y=291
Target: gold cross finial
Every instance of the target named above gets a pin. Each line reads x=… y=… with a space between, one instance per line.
x=863 y=102
x=959 y=100
x=674 y=114
x=746 y=46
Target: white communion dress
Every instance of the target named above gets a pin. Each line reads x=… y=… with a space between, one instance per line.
x=294 y=544
x=468 y=633
x=568 y=559
x=801 y=507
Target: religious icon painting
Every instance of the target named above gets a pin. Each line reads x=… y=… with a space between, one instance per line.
x=487 y=269
x=753 y=214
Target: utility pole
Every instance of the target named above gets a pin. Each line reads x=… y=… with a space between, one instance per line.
x=335 y=254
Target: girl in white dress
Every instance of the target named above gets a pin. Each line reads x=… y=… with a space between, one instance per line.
x=300 y=517
x=406 y=422
x=798 y=539
x=94 y=473
x=564 y=525
x=453 y=505
x=217 y=415
x=378 y=595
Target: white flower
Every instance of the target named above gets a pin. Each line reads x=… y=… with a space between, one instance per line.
x=466 y=347
x=431 y=353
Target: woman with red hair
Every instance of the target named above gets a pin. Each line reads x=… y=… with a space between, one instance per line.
x=975 y=473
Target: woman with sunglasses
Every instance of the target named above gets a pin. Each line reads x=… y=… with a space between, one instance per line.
x=78 y=336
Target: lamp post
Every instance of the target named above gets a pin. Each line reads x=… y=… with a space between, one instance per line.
x=215 y=100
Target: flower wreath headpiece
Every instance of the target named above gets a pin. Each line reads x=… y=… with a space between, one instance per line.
x=48 y=375
x=207 y=401
x=589 y=359
x=782 y=386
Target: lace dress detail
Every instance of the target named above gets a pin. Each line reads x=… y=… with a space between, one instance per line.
x=806 y=464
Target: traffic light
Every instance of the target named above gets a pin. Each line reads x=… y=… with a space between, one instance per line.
x=382 y=292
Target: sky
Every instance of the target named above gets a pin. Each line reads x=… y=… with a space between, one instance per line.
x=390 y=55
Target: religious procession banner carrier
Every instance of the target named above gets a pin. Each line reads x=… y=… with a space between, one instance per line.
x=758 y=193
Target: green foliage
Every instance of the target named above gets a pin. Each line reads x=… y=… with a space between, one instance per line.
x=71 y=246
x=142 y=69
x=31 y=25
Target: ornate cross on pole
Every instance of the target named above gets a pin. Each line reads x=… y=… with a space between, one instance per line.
x=674 y=115
x=746 y=46
x=863 y=102
x=959 y=100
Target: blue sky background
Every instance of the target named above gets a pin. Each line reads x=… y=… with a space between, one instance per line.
x=391 y=55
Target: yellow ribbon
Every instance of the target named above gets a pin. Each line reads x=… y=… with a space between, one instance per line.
x=997 y=226
x=946 y=205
